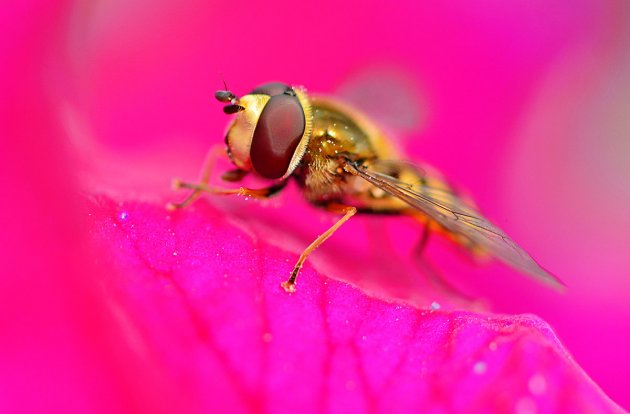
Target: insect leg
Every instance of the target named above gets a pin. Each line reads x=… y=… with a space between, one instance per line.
x=348 y=212
x=431 y=271
x=206 y=171
x=242 y=191
x=424 y=239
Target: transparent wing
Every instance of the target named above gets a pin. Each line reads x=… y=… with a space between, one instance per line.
x=451 y=212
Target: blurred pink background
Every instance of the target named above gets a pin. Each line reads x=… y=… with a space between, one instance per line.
x=524 y=104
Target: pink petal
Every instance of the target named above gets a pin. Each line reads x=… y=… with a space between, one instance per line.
x=62 y=348
x=80 y=336
x=205 y=297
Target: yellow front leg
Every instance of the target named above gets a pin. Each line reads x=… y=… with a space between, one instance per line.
x=199 y=188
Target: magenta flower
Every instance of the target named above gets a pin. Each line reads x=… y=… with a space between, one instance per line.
x=112 y=304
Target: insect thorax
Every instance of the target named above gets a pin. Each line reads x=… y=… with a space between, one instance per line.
x=336 y=136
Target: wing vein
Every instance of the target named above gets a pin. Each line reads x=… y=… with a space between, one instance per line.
x=456 y=216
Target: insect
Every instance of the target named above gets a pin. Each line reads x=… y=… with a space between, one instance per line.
x=345 y=164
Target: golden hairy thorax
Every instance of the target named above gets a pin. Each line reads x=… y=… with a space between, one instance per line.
x=337 y=132
x=340 y=132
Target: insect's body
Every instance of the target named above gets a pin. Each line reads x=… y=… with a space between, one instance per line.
x=341 y=132
x=338 y=134
x=347 y=164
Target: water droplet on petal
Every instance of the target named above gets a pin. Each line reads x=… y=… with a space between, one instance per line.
x=537 y=384
x=480 y=368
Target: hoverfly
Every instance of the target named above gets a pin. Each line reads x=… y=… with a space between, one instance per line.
x=344 y=163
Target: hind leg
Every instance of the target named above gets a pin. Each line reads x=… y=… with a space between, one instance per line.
x=435 y=276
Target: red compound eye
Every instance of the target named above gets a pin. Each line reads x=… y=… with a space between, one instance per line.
x=277 y=135
x=272 y=88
